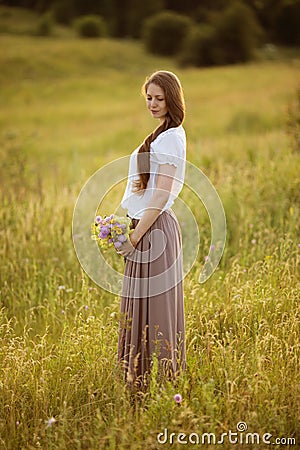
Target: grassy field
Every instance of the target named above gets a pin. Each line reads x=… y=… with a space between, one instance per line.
x=67 y=108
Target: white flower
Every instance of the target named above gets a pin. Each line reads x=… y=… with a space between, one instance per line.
x=50 y=422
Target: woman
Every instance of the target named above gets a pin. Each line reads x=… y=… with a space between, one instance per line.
x=152 y=305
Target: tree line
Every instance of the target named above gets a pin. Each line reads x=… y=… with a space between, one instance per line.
x=197 y=32
x=124 y=18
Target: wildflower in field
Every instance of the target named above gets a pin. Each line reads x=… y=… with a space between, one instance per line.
x=50 y=422
x=212 y=247
x=61 y=287
x=69 y=290
x=177 y=398
x=206 y=258
x=253 y=241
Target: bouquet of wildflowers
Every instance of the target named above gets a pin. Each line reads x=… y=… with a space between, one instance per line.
x=111 y=231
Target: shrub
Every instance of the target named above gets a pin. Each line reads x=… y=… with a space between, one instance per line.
x=164 y=32
x=230 y=37
x=238 y=34
x=45 y=25
x=199 y=47
x=90 y=26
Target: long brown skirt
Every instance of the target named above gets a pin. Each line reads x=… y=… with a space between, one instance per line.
x=152 y=304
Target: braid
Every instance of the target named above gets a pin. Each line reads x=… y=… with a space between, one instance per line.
x=171 y=86
x=143 y=156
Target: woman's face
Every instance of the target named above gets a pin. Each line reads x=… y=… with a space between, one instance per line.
x=156 y=101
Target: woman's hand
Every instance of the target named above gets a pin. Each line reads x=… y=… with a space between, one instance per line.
x=127 y=248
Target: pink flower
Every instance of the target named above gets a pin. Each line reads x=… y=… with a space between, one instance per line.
x=177 y=398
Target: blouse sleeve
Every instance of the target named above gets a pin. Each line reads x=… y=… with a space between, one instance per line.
x=168 y=149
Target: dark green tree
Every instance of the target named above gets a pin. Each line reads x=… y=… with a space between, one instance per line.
x=287 y=23
x=165 y=32
x=238 y=33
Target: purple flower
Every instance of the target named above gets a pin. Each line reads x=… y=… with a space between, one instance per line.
x=122 y=238
x=98 y=219
x=177 y=398
x=118 y=244
x=104 y=232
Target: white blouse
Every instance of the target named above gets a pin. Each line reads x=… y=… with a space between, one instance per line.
x=168 y=148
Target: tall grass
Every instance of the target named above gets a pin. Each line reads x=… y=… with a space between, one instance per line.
x=69 y=107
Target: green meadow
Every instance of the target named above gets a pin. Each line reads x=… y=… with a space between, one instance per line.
x=70 y=106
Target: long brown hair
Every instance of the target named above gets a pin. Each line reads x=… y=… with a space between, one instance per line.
x=173 y=93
